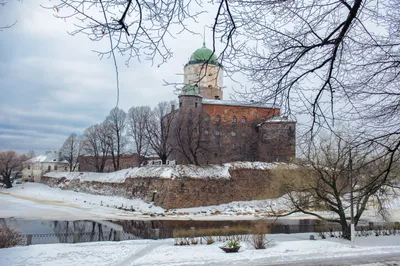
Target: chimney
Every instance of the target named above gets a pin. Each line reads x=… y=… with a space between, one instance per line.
x=172 y=107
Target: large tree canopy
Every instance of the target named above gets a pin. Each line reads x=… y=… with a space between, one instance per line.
x=334 y=60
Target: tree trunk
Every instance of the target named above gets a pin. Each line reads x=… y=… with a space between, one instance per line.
x=346 y=230
x=164 y=159
x=7 y=181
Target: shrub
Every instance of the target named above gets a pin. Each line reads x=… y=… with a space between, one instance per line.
x=182 y=242
x=259 y=238
x=209 y=240
x=233 y=244
x=9 y=237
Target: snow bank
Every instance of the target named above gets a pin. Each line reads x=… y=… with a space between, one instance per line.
x=166 y=172
x=295 y=250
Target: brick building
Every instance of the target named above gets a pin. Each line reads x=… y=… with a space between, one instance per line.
x=208 y=129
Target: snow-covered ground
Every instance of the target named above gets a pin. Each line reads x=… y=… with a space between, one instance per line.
x=284 y=250
x=214 y=171
x=38 y=201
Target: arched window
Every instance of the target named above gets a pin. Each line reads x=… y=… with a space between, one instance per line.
x=206 y=132
x=217 y=132
x=233 y=133
x=234 y=120
x=206 y=118
x=49 y=167
x=217 y=118
x=263 y=118
x=244 y=120
x=195 y=105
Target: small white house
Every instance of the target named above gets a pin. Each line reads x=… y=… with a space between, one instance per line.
x=35 y=168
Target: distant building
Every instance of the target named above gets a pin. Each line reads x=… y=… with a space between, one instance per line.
x=209 y=129
x=88 y=163
x=35 y=168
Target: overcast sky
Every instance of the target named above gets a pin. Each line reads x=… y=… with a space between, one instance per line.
x=52 y=84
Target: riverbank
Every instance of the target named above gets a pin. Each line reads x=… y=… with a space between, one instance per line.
x=37 y=201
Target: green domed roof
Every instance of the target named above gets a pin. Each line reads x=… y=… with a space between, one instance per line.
x=189 y=90
x=202 y=55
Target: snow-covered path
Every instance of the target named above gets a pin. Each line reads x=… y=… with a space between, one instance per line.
x=294 y=249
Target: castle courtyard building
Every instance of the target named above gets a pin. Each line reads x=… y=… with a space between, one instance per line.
x=208 y=129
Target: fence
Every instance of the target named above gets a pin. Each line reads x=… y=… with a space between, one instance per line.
x=113 y=235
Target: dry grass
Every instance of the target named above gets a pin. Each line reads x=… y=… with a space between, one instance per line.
x=9 y=237
x=225 y=231
x=259 y=238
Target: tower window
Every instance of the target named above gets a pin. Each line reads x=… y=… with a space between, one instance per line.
x=234 y=120
x=195 y=105
x=180 y=104
x=217 y=118
x=244 y=120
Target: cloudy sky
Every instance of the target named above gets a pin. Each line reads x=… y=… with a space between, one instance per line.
x=52 y=84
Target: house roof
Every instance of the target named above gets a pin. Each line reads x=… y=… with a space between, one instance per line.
x=48 y=157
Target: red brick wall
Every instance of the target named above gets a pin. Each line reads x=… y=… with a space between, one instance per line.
x=227 y=112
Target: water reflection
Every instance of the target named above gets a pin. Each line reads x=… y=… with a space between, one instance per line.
x=85 y=230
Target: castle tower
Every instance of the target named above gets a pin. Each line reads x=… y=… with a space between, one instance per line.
x=205 y=73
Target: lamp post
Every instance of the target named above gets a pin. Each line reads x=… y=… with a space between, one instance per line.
x=352 y=231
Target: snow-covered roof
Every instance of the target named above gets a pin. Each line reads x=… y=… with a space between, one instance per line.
x=237 y=103
x=279 y=119
x=166 y=171
x=48 y=157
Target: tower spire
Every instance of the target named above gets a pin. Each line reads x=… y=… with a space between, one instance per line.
x=204 y=36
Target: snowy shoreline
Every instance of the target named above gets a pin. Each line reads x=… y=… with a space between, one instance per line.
x=286 y=249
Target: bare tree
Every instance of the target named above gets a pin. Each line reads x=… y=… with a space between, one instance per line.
x=30 y=154
x=71 y=150
x=138 y=119
x=10 y=166
x=189 y=138
x=116 y=122
x=159 y=130
x=6 y=26
x=134 y=28
x=96 y=146
x=336 y=173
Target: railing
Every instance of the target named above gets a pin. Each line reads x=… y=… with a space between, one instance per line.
x=113 y=235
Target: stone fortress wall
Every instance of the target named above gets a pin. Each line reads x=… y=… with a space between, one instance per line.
x=182 y=192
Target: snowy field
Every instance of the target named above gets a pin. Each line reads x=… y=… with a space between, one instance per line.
x=36 y=201
x=293 y=249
